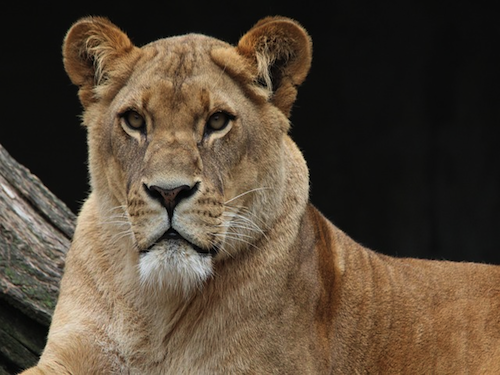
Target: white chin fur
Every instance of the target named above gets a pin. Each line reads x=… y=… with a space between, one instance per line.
x=178 y=270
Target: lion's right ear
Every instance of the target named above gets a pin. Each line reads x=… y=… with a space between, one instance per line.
x=96 y=52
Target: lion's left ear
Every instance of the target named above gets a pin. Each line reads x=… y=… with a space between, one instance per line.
x=281 y=51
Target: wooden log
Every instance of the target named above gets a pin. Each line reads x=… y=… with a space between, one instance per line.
x=35 y=232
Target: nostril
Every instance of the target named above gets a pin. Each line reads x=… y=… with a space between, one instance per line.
x=169 y=198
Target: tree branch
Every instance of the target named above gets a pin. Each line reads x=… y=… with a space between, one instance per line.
x=35 y=232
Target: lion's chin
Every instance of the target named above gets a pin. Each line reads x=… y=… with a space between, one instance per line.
x=175 y=266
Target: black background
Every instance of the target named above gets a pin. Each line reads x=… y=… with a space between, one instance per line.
x=398 y=118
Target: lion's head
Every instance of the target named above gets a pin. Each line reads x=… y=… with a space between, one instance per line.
x=188 y=148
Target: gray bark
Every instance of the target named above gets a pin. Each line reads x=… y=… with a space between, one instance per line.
x=35 y=232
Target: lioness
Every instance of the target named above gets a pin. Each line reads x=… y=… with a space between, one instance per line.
x=197 y=251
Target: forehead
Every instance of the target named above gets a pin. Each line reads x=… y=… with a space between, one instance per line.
x=178 y=58
x=173 y=67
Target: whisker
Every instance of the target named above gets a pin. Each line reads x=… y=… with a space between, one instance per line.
x=243 y=219
x=116 y=216
x=219 y=246
x=235 y=238
x=118 y=236
x=241 y=208
x=122 y=208
x=121 y=216
x=117 y=222
x=243 y=222
x=245 y=193
x=239 y=234
x=240 y=225
x=242 y=231
x=246 y=211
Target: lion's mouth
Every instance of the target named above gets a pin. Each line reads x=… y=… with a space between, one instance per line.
x=172 y=235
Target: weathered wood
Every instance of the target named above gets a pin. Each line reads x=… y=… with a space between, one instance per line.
x=35 y=233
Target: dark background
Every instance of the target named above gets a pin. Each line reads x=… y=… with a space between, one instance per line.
x=398 y=118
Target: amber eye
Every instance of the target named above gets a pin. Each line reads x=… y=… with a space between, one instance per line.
x=134 y=120
x=218 y=121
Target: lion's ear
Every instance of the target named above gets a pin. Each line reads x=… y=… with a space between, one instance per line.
x=281 y=51
x=94 y=52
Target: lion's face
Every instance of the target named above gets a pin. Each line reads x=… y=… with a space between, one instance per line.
x=185 y=149
x=180 y=156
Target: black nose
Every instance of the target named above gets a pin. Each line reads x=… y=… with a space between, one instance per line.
x=170 y=198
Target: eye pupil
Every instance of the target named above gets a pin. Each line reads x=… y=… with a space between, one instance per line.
x=134 y=120
x=218 y=121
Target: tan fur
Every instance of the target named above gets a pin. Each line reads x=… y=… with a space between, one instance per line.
x=285 y=291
